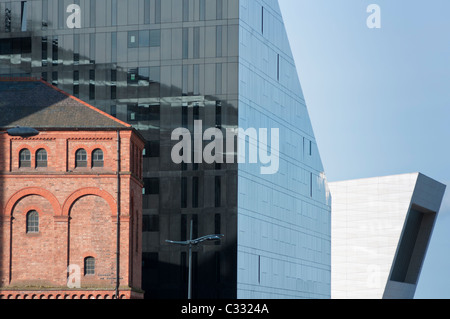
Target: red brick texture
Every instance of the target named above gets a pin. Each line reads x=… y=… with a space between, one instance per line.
x=77 y=209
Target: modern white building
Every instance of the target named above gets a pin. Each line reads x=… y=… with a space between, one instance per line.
x=381 y=228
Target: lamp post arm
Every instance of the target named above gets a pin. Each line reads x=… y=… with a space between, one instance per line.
x=190 y=243
x=23 y=132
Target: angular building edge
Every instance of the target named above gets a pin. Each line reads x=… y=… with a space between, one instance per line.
x=393 y=217
x=415 y=239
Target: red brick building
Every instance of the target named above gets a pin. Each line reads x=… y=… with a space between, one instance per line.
x=59 y=195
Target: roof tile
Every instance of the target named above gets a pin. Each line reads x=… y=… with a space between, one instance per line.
x=38 y=104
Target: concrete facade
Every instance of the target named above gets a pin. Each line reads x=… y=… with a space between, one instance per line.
x=381 y=228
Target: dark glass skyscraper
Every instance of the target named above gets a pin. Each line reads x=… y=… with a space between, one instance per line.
x=166 y=64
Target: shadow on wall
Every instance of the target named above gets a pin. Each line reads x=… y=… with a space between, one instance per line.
x=211 y=277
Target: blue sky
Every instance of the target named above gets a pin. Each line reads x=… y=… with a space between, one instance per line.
x=379 y=99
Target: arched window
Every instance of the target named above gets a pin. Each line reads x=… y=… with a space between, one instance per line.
x=41 y=158
x=25 y=158
x=97 y=158
x=81 y=158
x=89 y=266
x=33 y=222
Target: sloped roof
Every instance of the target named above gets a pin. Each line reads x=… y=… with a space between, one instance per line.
x=35 y=103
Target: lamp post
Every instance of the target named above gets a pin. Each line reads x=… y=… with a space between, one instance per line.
x=190 y=243
x=21 y=131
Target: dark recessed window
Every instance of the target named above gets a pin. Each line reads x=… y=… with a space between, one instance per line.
x=33 y=222
x=76 y=58
x=217 y=192
x=113 y=92
x=81 y=158
x=154 y=112
x=196 y=112
x=89 y=266
x=92 y=48
x=76 y=90
x=183 y=192
x=194 y=226
x=55 y=48
x=113 y=84
x=150 y=261
x=55 y=78
x=152 y=149
x=76 y=83
x=76 y=77
x=184 y=115
x=41 y=158
x=217 y=226
x=97 y=158
x=151 y=186
x=25 y=158
x=195 y=191
x=218 y=114
x=76 y=49
x=150 y=223
x=114 y=76
x=91 y=84
x=44 y=51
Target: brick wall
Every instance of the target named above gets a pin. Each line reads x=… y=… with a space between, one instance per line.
x=77 y=209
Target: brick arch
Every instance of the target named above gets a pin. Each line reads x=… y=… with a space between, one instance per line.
x=22 y=147
x=12 y=201
x=42 y=147
x=86 y=192
x=98 y=146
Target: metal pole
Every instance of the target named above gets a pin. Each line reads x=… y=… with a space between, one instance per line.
x=118 y=218
x=191 y=242
x=190 y=264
